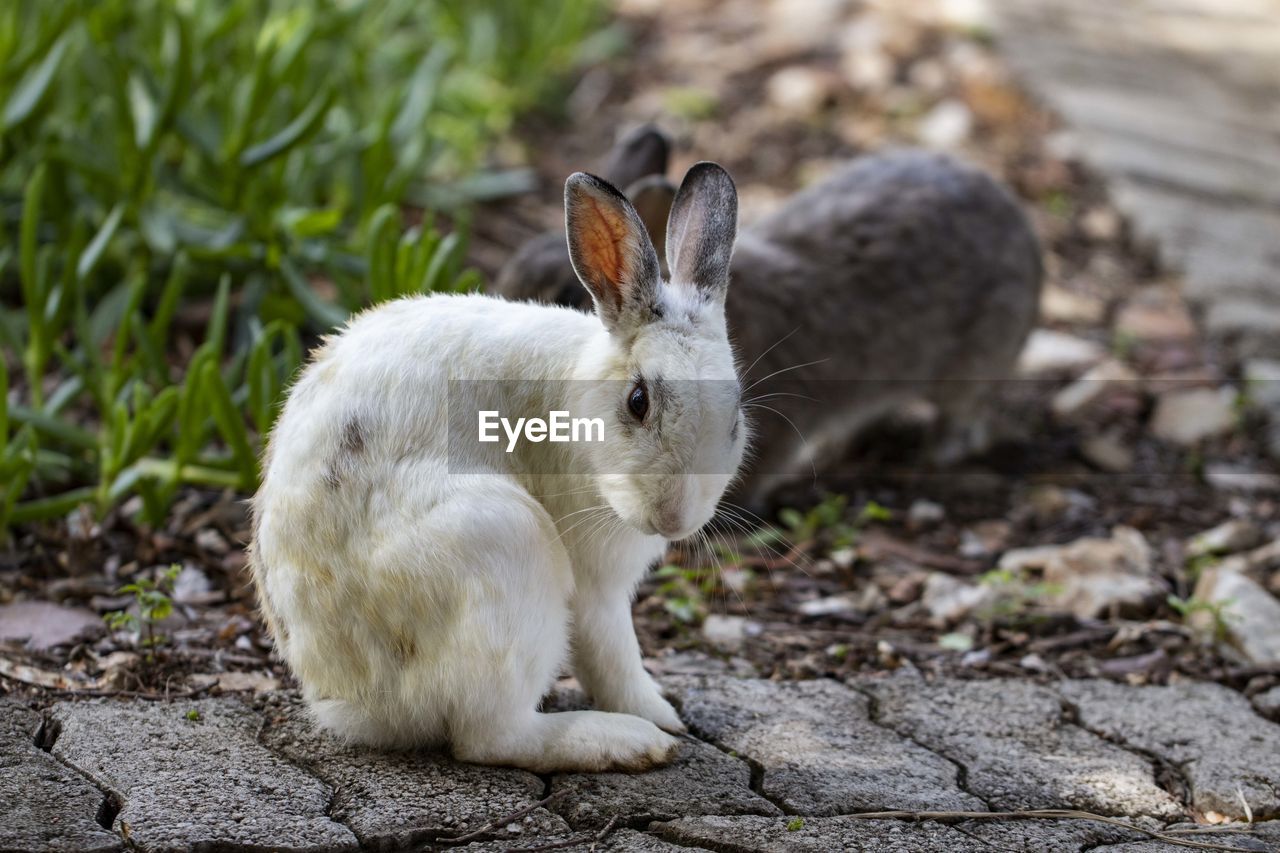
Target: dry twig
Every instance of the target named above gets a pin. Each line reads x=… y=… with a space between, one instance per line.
x=501 y=821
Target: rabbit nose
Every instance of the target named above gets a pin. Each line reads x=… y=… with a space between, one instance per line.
x=667 y=519
x=667 y=525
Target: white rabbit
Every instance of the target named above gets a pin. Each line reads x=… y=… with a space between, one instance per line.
x=425 y=587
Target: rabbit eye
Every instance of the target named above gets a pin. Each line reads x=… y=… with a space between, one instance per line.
x=638 y=400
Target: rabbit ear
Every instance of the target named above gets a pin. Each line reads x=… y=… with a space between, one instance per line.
x=610 y=251
x=643 y=151
x=652 y=197
x=702 y=228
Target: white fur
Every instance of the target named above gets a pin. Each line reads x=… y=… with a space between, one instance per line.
x=429 y=598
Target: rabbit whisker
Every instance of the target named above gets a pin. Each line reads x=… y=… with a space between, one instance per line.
x=726 y=547
x=784 y=370
x=771 y=348
x=804 y=441
x=592 y=514
x=780 y=394
x=737 y=515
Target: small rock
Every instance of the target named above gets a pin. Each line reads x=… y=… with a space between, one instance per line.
x=211 y=540
x=1049 y=504
x=1095 y=384
x=826 y=606
x=799 y=89
x=994 y=533
x=866 y=601
x=1092 y=575
x=956 y=642
x=801 y=25
x=1155 y=314
x=907 y=588
x=1238 y=534
x=1101 y=223
x=191 y=586
x=949 y=599
x=971 y=546
x=1188 y=417
x=1235 y=478
x=867 y=56
x=924 y=514
x=868 y=70
x=946 y=126
x=1251 y=323
x=1247 y=613
x=1048 y=352
x=843 y=558
x=970 y=15
x=1109 y=452
x=1262 y=383
x=1268 y=703
x=43 y=624
x=1033 y=662
x=257 y=682
x=928 y=75
x=728 y=632
x=1059 y=305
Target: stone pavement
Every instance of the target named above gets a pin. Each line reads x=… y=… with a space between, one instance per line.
x=1177 y=102
x=770 y=766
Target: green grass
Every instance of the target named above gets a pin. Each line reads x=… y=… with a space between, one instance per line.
x=245 y=156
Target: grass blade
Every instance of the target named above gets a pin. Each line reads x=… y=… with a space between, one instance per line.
x=32 y=200
x=326 y=314
x=33 y=87
x=291 y=134
x=93 y=252
x=56 y=506
x=230 y=424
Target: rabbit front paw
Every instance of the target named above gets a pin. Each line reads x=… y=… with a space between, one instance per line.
x=651 y=706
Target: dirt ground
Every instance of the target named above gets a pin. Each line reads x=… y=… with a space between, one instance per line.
x=903 y=571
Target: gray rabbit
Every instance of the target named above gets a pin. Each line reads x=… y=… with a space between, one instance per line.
x=906 y=275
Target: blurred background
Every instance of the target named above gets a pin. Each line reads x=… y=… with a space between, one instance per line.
x=192 y=193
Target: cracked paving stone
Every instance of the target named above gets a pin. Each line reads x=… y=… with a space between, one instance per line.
x=392 y=800
x=47 y=805
x=196 y=783
x=1261 y=837
x=622 y=841
x=1227 y=753
x=819 y=750
x=1017 y=748
x=701 y=781
x=824 y=834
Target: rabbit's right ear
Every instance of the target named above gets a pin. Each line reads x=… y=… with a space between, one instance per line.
x=702 y=228
x=610 y=251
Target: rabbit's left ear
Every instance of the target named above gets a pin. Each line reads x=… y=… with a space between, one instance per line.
x=702 y=228
x=610 y=251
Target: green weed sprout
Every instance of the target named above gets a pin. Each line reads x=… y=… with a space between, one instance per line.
x=154 y=605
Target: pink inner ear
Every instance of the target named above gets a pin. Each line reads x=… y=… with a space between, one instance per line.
x=601 y=233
